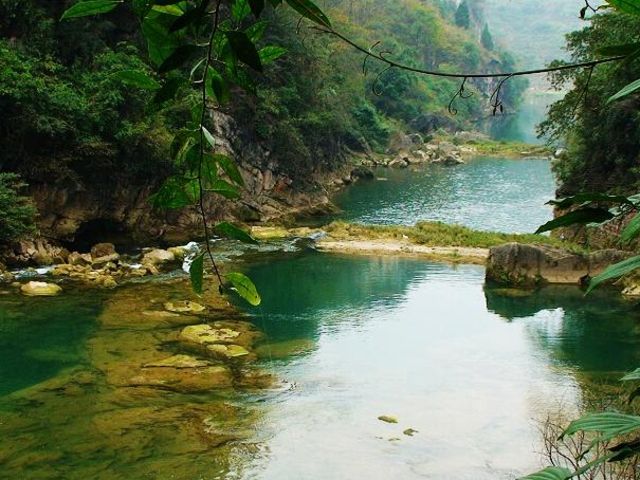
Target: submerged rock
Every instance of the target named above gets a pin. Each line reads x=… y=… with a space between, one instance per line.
x=40 y=289
x=285 y=349
x=388 y=419
x=179 y=361
x=184 y=306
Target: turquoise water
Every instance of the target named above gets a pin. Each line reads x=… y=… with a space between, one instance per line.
x=486 y=194
x=41 y=336
x=471 y=368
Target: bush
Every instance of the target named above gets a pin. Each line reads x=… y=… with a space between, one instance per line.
x=17 y=213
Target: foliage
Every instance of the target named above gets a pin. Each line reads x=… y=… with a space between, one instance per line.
x=487 y=38
x=602 y=138
x=605 y=443
x=17 y=214
x=463 y=15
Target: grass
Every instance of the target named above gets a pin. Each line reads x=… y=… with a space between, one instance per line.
x=509 y=149
x=437 y=234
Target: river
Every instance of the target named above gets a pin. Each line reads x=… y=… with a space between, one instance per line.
x=469 y=371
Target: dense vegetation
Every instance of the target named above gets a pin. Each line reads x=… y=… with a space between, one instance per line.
x=67 y=118
x=602 y=139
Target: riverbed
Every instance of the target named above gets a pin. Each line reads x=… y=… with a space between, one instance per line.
x=466 y=370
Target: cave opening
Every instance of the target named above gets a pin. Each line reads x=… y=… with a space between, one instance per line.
x=102 y=230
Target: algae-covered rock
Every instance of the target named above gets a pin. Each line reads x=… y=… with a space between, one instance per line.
x=184 y=306
x=183 y=379
x=228 y=352
x=285 y=349
x=40 y=289
x=388 y=419
x=179 y=361
x=206 y=335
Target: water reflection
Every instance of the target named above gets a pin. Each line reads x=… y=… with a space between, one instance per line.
x=417 y=340
x=595 y=334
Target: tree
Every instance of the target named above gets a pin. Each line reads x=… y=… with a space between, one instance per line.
x=16 y=212
x=486 y=38
x=463 y=15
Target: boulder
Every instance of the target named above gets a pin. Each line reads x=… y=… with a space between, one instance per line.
x=40 y=289
x=158 y=257
x=102 y=250
x=184 y=306
x=530 y=265
x=401 y=161
x=362 y=173
x=98 y=262
x=76 y=258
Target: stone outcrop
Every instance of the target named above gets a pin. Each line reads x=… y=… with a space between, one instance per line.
x=530 y=265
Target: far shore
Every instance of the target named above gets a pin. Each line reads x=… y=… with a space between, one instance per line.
x=476 y=256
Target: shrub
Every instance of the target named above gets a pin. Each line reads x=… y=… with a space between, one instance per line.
x=17 y=213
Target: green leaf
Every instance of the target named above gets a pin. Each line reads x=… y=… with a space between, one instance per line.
x=624 y=450
x=240 y=9
x=171 y=195
x=549 y=473
x=225 y=189
x=609 y=424
x=136 y=78
x=629 y=89
x=208 y=136
x=168 y=91
x=615 y=50
x=196 y=273
x=580 y=216
x=256 y=7
x=271 y=53
x=626 y=6
x=631 y=377
x=230 y=168
x=310 y=10
x=90 y=7
x=229 y=230
x=632 y=230
x=244 y=49
x=160 y=43
x=190 y=16
x=616 y=270
x=244 y=287
x=178 y=58
x=583 y=198
x=217 y=87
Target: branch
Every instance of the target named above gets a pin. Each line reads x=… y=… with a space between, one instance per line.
x=436 y=73
x=216 y=19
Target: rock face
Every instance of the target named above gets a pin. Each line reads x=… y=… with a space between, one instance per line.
x=40 y=289
x=530 y=265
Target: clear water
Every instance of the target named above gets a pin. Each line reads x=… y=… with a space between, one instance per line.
x=39 y=337
x=472 y=369
x=486 y=194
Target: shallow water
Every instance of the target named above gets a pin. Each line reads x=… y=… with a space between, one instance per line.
x=487 y=193
x=470 y=369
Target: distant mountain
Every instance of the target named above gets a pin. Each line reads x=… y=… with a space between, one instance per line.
x=532 y=30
